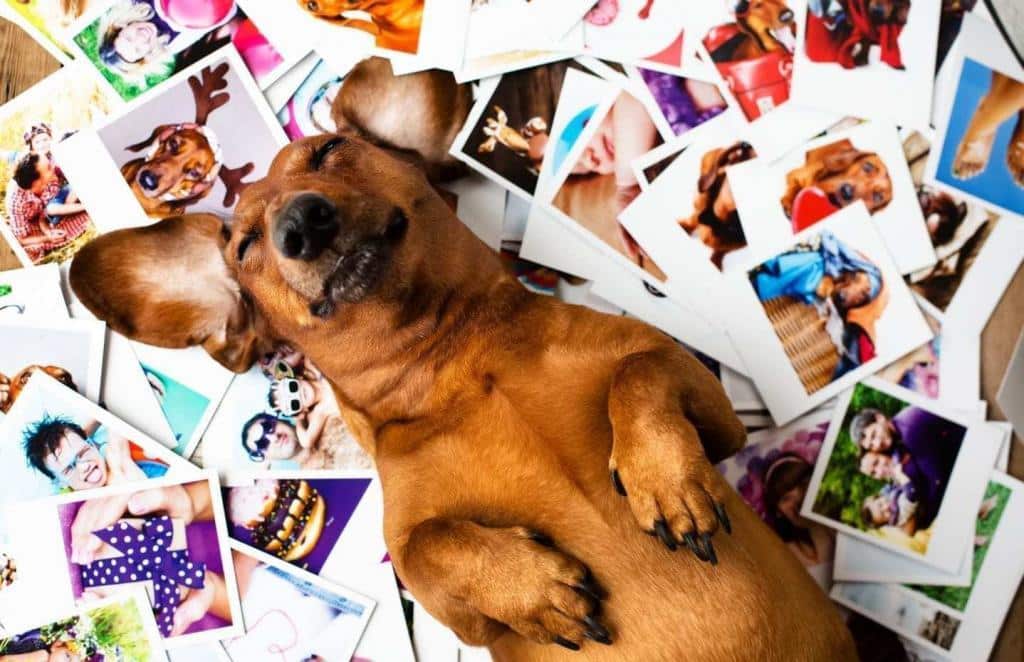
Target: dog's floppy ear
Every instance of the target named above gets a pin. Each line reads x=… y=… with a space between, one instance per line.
x=167 y=284
x=161 y=132
x=839 y=156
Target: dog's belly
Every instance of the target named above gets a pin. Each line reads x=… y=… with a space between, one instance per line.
x=550 y=472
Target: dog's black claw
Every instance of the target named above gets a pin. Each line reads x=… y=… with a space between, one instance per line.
x=597 y=632
x=589 y=587
x=712 y=558
x=617 y=481
x=542 y=539
x=723 y=517
x=691 y=544
x=565 y=643
x=661 y=529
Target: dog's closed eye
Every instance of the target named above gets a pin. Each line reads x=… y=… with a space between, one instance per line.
x=246 y=244
x=317 y=160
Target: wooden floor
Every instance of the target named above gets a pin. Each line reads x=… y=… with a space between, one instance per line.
x=23 y=63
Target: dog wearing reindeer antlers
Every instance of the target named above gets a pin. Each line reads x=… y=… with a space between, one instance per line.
x=183 y=161
x=547 y=470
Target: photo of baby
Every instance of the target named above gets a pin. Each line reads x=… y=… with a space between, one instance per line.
x=752 y=48
x=197 y=144
x=890 y=468
x=282 y=414
x=293 y=616
x=824 y=299
x=138 y=44
x=167 y=540
x=601 y=183
x=116 y=630
x=772 y=474
x=43 y=219
x=59 y=442
x=982 y=151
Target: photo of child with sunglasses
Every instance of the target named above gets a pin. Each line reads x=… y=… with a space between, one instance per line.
x=304 y=426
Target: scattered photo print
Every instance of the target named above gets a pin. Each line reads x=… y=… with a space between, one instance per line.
x=196 y=145
x=919 y=370
x=868 y=58
x=641 y=31
x=182 y=407
x=32 y=292
x=601 y=182
x=508 y=130
x=293 y=616
x=982 y=150
x=394 y=25
x=962 y=622
x=684 y=103
x=889 y=470
x=52 y=18
x=751 y=45
x=119 y=629
x=138 y=44
x=282 y=414
x=824 y=299
x=772 y=474
x=299 y=521
x=70 y=351
x=167 y=538
x=989 y=516
x=308 y=111
x=43 y=219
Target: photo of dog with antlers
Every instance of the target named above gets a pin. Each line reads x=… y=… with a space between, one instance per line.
x=196 y=155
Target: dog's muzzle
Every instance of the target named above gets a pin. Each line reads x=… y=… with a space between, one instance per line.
x=306 y=226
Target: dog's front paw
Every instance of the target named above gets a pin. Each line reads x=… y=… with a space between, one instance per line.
x=542 y=593
x=676 y=498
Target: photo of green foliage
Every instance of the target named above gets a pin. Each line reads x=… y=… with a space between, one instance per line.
x=957 y=597
x=111 y=632
x=90 y=39
x=843 y=487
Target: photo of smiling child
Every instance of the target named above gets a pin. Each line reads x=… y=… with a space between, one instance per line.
x=59 y=442
x=897 y=472
x=138 y=44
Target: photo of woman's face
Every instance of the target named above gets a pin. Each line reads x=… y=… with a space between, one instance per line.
x=136 y=41
x=599 y=156
x=789 y=506
x=41 y=143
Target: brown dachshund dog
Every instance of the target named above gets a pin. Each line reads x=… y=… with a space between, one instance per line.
x=11 y=387
x=715 y=221
x=395 y=24
x=844 y=174
x=1003 y=101
x=547 y=470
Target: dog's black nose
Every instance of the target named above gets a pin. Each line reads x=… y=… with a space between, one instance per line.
x=846 y=190
x=148 y=180
x=306 y=226
x=786 y=16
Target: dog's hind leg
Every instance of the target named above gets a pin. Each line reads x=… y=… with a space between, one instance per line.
x=482 y=581
x=671 y=420
x=1004 y=99
x=1015 y=151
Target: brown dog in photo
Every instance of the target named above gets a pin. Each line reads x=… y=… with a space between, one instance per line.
x=843 y=174
x=395 y=24
x=183 y=161
x=715 y=221
x=547 y=470
x=761 y=23
x=1003 y=101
